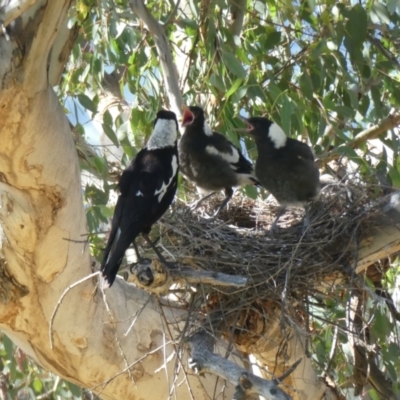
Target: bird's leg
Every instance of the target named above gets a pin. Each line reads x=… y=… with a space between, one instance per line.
x=139 y=258
x=159 y=255
x=306 y=220
x=281 y=211
x=197 y=203
x=228 y=196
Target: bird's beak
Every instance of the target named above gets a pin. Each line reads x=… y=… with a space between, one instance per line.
x=249 y=126
x=188 y=117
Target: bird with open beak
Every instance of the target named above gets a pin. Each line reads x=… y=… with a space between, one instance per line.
x=209 y=159
x=284 y=166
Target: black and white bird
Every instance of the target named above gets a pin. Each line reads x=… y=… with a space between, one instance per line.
x=209 y=159
x=147 y=188
x=285 y=166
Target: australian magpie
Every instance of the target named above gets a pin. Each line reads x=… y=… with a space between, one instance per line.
x=147 y=188
x=209 y=159
x=285 y=166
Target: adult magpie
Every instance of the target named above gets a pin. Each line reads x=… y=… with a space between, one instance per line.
x=285 y=166
x=209 y=159
x=147 y=188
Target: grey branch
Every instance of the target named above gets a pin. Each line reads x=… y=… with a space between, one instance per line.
x=203 y=360
x=168 y=67
x=390 y=122
x=237 y=11
x=386 y=53
x=151 y=276
x=11 y=10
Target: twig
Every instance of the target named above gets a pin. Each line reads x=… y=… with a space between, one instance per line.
x=288 y=372
x=203 y=360
x=389 y=123
x=60 y=301
x=386 y=53
x=171 y=16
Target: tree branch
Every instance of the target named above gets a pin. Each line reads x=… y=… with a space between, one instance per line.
x=48 y=29
x=390 y=122
x=14 y=9
x=203 y=360
x=386 y=53
x=154 y=278
x=168 y=66
x=237 y=11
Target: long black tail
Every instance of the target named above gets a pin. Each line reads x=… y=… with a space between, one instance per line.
x=113 y=255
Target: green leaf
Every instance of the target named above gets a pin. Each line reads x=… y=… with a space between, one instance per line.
x=306 y=86
x=233 y=65
x=356 y=25
x=395 y=177
x=233 y=88
x=273 y=39
x=87 y=102
x=37 y=385
x=217 y=82
x=110 y=134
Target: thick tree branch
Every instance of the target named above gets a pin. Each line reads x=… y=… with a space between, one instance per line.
x=371 y=133
x=14 y=9
x=168 y=66
x=203 y=360
x=154 y=278
x=37 y=60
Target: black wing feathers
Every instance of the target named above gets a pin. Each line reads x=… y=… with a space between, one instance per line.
x=141 y=202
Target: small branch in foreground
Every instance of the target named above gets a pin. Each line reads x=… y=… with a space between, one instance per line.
x=168 y=66
x=390 y=122
x=151 y=276
x=203 y=360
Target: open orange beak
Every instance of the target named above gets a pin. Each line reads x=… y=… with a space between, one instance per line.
x=188 y=117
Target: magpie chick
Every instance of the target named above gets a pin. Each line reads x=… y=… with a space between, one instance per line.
x=147 y=188
x=209 y=159
x=285 y=166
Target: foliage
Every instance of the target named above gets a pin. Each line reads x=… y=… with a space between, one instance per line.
x=323 y=70
x=23 y=379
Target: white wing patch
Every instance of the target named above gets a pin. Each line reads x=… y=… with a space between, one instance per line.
x=231 y=158
x=207 y=129
x=164 y=187
x=164 y=134
x=139 y=193
x=277 y=135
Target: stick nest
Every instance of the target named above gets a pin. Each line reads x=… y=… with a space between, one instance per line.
x=282 y=268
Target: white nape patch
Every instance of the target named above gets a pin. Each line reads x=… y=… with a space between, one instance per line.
x=139 y=193
x=164 y=187
x=164 y=134
x=232 y=157
x=277 y=135
x=115 y=241
x=207 y=129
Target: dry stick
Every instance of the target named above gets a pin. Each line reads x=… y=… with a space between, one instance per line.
x=60 y=301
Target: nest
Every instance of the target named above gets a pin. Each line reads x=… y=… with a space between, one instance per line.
x=282 y=268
